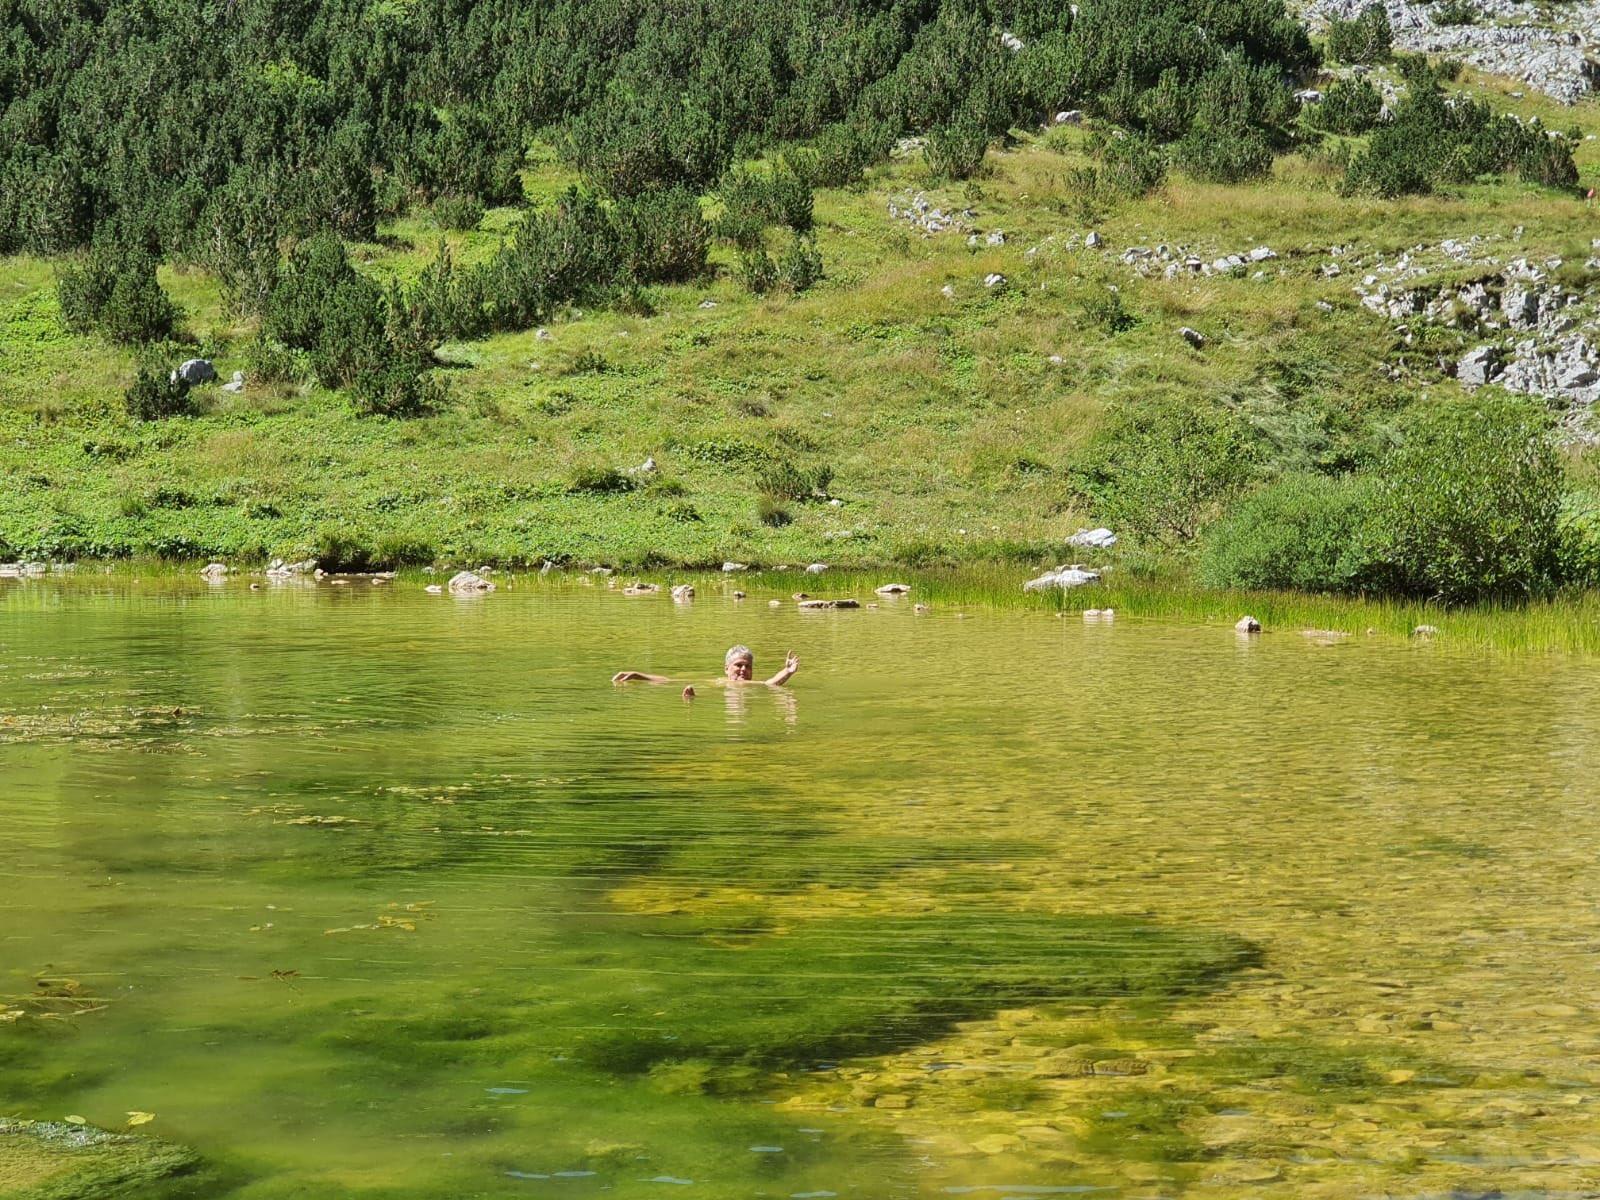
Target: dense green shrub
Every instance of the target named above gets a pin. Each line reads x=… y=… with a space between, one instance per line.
x=1132 y=166
x=663 y=237
x=1223 y=155
x=1367 y=39
x=800 y=268
x=1164 y=66
x=458 y=212
x=784 y=480
x=1468 y=505
x=757 y=271
x=600 y=481
x=1302 y=532
x=1103 y=309
x=1455 y=12
x=1433 y=139
x=269 y=361
x=956 y=151
x=157 y=393
x=755 y=197
x=1350 y=106
x=113 y=290
x=1161 y=469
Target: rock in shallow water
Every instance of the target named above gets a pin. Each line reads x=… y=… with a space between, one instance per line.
x=464 y=582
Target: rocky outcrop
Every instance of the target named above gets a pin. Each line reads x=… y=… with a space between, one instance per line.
x=1520 y=328
x=1545 y=47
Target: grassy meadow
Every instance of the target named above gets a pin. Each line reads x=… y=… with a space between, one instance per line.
x=947 y=412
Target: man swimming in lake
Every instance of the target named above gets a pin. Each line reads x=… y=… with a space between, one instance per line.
x=738 y=666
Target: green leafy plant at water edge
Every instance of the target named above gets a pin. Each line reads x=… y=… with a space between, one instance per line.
x=1162 y=469
x=1469 y=505
x=1302 y=532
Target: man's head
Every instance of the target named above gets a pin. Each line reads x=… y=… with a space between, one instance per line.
x=739 y=663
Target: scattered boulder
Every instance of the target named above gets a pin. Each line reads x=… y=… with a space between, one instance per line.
x=214 y=572
x=994 y=280
x=1425 y=631
x=1070 y=116
x=195 y=371
x=1247 y=624
x=1193 y=336
x=737 y=595
x=469 y=582
x=1092 y=239
x=816 y=568
x=818 y=604
x=637 y=588
x=1093 y=539
x=730 y=567
x=236 y=384
x=434 y=589
x=892 y=589
x=278 y=569
x=683 y=593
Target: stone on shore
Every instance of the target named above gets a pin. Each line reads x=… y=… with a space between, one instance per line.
x=893 y=589
x=1062 y=577
x=214 y=572
x=469 y=582
x=1247 y=624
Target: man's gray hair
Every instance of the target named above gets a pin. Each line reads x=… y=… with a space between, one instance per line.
x=737 y=652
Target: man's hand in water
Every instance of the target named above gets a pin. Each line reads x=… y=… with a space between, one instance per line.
x=631 y=676
x=791 y=664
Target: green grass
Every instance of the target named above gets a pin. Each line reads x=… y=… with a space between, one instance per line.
x=947 y=428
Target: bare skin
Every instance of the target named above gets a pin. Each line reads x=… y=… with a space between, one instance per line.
x=740 y=668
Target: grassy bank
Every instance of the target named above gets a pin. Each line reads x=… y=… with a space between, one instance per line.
x=948 y=421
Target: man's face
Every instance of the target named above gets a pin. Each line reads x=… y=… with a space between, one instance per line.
x=743 y=667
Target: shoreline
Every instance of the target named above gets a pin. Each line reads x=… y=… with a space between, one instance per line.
x=1563 y=624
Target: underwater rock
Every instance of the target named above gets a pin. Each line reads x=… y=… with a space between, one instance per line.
x=52 y=1160
x=816 y=604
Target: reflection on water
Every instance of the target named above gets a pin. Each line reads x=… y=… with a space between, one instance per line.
x=367 y=891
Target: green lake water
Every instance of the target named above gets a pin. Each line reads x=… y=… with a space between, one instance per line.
x=369 y=892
